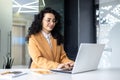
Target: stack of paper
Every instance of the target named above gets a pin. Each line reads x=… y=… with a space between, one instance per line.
x=11 y=74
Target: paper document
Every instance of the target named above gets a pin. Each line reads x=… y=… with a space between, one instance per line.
x=11 y=74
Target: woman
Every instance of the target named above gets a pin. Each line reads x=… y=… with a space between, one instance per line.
x=45 y=43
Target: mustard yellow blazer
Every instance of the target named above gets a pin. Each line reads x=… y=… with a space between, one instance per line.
x=42 y=55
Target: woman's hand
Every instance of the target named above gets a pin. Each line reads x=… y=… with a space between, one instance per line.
x=69 y=65
x=66 y=66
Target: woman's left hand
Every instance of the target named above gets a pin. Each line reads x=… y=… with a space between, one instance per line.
x=69 y=65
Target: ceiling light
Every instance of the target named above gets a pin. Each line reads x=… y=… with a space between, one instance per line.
x=30 y=7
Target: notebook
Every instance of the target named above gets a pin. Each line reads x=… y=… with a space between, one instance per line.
x=87 y=58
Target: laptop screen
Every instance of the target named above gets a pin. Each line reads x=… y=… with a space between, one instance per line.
x=88 y=57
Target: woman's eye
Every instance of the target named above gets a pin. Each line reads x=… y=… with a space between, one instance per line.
x=48 y=20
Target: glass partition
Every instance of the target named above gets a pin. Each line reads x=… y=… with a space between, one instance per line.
x=108 y=30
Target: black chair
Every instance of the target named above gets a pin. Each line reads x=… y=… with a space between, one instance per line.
x=30 y=62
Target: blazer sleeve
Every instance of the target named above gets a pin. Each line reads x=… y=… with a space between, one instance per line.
x=64 y=57
x=37 y=57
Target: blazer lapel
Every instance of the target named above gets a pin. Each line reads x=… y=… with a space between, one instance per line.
x=54 y=47
x=52 y=53
x=46 y=46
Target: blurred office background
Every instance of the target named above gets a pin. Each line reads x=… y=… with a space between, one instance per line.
x=84 y=21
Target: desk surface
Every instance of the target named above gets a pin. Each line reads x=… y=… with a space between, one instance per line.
x=100 y=74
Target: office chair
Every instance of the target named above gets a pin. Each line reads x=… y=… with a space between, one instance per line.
x=30 y=62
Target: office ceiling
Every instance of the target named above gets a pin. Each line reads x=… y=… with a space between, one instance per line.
x=33 y=6
x=26 y=6
x=25 y=1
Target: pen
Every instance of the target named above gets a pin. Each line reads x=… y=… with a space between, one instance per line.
x=7 y=72
x=16 y=73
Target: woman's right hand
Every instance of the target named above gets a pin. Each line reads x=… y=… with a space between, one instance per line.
x=66 y=66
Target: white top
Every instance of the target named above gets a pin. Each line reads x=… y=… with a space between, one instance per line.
x=47 y=36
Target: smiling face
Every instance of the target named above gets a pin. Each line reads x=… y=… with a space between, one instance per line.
x=48 y=22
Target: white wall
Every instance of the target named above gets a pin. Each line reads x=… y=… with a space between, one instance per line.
x=5 y=27
x=114 y=43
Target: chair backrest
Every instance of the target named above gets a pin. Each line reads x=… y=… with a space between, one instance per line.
x=30 y=62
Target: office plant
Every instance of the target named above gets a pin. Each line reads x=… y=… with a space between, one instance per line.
x=8 y=61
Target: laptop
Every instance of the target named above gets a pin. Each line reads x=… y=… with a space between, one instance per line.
x=87 y=58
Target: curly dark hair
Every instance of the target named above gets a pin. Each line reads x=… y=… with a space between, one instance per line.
x=36 y=25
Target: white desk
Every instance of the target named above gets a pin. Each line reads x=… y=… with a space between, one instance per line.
x=103 y=74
